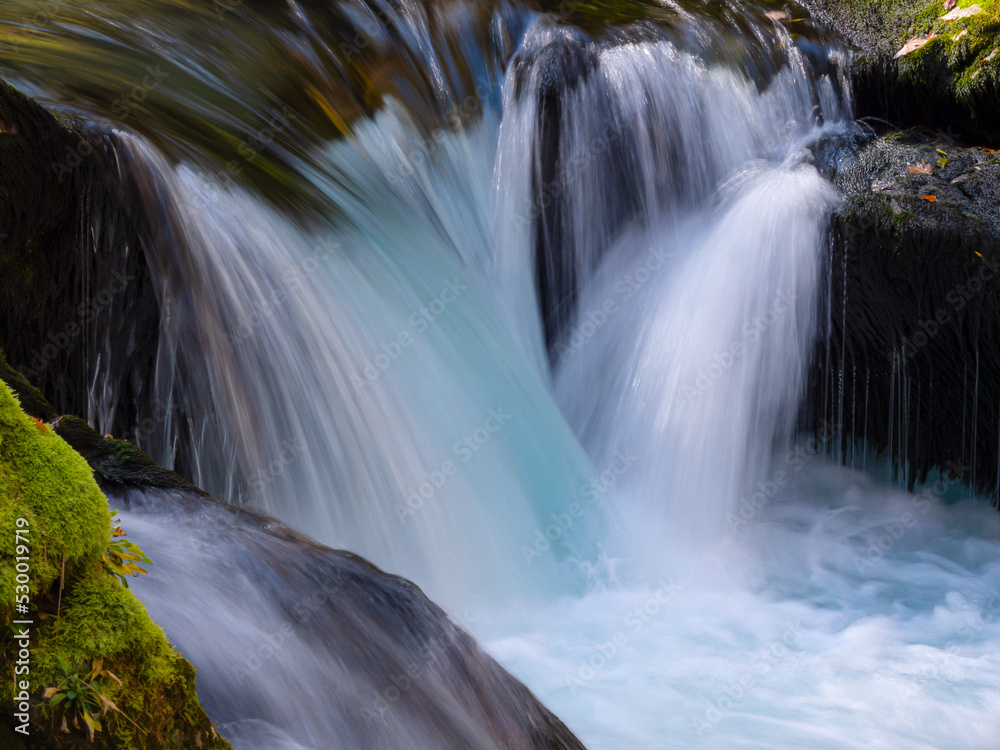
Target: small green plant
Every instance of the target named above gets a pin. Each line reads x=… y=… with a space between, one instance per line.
x=122 y=558
x=82 y=704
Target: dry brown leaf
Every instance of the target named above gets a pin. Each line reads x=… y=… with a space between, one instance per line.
x=929 y=198
x=962 y=13
x=913 y=45
x=949 y=4
x=921 y=168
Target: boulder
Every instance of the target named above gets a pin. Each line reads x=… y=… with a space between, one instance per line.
x=911 y=354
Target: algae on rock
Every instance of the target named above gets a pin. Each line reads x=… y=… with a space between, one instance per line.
x=79 y=612
x=951 y=81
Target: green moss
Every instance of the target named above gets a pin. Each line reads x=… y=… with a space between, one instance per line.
x=963 y=60
x=116 y=461
x=951 y=81
x=44 y=481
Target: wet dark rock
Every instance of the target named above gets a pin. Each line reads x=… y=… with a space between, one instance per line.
x=392 y=670
x=74 y=284
x=913 y=351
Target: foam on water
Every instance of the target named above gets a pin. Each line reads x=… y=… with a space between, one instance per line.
x=842 y=615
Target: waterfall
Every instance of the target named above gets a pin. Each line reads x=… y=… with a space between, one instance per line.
x=524 y=313
x=313 y=354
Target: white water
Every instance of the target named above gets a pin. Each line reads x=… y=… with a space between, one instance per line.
x=843 y=615
x=693 y=222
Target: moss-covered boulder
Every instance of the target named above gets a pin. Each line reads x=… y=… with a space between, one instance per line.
x=77 y=612
x=913 y=350
x=925 y=62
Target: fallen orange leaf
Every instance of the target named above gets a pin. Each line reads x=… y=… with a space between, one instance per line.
x=921 y=168
x=949 y=4
x=913 y=45
x=40 y=424
x=929 y=198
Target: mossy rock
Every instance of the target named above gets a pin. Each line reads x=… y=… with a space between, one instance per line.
x=951 y=81
x=114 y=462
x=80 y=613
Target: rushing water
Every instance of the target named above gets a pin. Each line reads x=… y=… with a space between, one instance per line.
x=534 y=335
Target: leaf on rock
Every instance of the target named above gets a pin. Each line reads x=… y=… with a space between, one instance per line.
x=913 y=45
x=957 y=13
x=921 y=168
x=929 y=198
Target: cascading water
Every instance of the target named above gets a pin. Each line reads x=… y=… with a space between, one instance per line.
x=545 y=361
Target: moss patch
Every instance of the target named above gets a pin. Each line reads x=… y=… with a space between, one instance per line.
x=45 y=482
x=952 y=82
x=963 y=57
